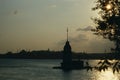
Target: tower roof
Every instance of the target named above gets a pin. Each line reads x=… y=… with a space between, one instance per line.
x=67 y=46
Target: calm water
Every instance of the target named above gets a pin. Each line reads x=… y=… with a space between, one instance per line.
x=29 y=69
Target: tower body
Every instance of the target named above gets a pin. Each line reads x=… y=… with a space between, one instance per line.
x=67 y=54
x=68 y=63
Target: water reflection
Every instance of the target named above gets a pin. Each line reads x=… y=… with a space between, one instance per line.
x=108 y=74
x=103 y=75
x=42 y=70
x=67 y=75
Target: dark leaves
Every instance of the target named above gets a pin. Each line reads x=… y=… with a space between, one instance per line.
x=103 y=65
x=89 y=68
x=102 y=25
x=99 y=62
x=108 y=24
x=116 y=67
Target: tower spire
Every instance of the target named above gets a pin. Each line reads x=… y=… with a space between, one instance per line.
x=67 y=33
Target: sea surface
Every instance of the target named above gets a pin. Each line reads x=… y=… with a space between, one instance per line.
x=36 y=69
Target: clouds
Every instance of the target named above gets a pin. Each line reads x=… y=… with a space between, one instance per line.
x=85 y=29
x=79 y=38
x=87 y=41
x=76 y=39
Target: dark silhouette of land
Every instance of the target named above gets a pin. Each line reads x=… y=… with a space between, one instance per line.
x=46 y=54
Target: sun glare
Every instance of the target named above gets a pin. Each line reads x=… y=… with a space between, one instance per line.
x=108 y=6
x=107 y=75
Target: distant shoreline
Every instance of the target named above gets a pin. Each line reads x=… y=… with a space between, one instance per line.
x=57 y=55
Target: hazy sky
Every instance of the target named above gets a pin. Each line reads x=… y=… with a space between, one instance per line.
x=42 y=24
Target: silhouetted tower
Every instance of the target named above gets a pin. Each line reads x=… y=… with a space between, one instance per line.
x=67 y=54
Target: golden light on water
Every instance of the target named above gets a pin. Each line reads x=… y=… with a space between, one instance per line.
x=107 y=75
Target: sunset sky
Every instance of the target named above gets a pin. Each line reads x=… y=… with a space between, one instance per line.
x=42 y=24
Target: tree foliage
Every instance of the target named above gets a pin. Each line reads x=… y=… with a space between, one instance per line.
x=108 y=25
x=103 y=65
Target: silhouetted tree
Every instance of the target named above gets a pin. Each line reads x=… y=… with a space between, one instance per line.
x=108 y=25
